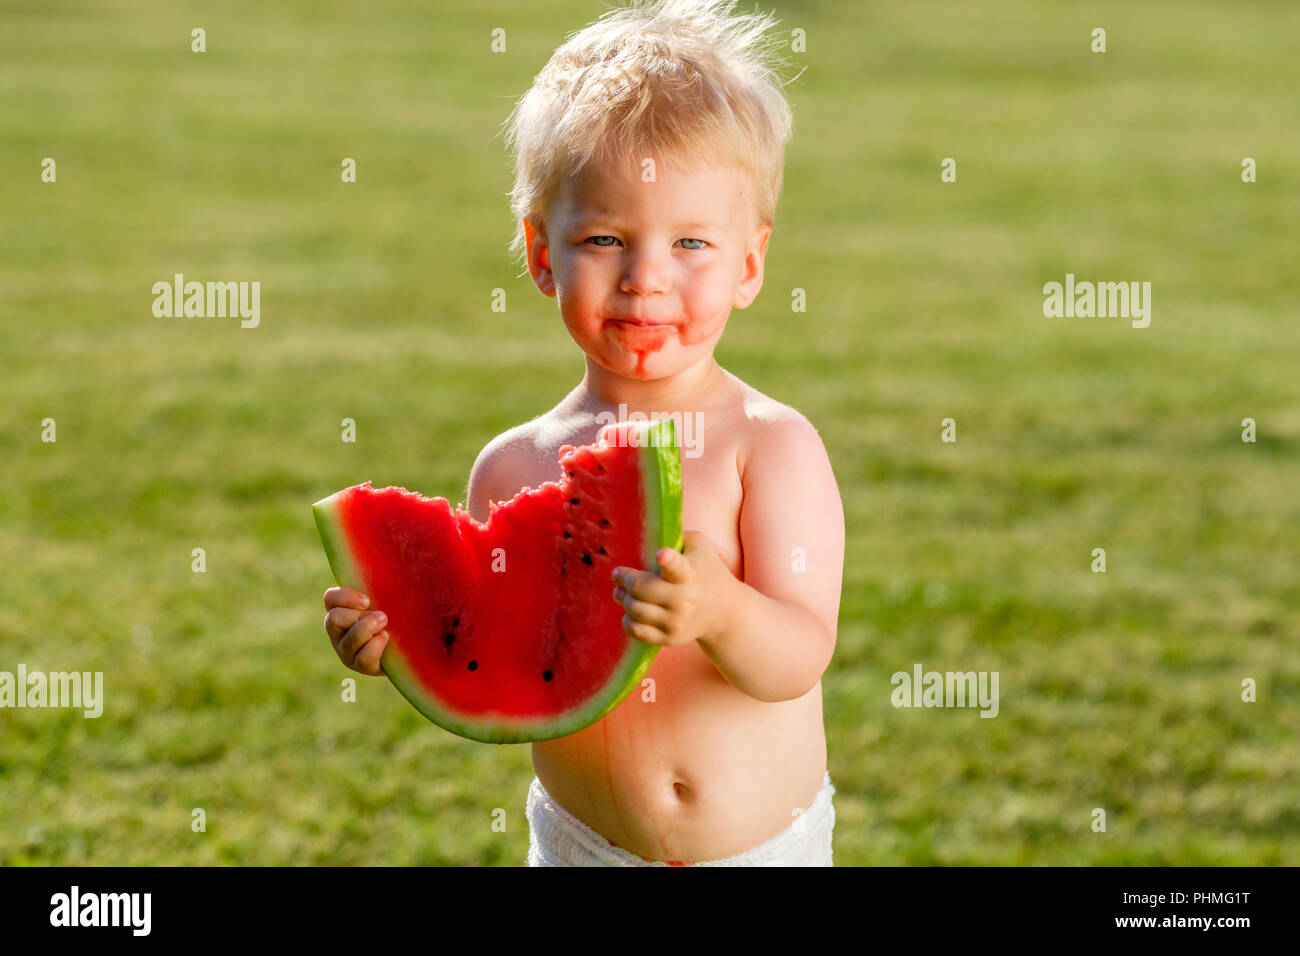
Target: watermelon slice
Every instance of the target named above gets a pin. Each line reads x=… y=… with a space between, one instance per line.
x=507 y=631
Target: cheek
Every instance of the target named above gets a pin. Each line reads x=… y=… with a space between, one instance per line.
x=713 y=295
x=699 y=332
x=705 y=324
x=579 y=295
x=574 y=303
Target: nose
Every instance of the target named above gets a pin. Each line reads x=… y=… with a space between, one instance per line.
x=645 y=273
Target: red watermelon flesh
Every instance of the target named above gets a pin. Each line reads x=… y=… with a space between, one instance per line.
x=507 y=631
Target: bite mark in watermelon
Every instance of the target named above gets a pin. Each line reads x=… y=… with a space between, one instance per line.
x=507 y=631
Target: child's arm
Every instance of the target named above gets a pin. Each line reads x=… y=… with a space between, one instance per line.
x=771 y=636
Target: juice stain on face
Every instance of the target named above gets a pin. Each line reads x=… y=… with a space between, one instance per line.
x=644 y=340
x=703 y=332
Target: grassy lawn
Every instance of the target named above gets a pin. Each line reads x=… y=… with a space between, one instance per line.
x=1119 y=690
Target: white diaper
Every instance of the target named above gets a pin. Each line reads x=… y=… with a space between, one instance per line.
x=558 y=838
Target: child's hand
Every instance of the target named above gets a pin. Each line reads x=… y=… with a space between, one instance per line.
x=358 y=638
x=687 y=602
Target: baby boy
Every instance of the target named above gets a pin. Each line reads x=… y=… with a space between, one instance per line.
x=649 y=157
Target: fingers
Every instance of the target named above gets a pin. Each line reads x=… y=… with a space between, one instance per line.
x=657 y=607
x=346 y=597
x=358 y=640
x=337 y=622
x=367 y=659
x=644 y=632
x=644 y=585
x=358 y=634
x=641 y=612
x=674 y=566
x=354 y=642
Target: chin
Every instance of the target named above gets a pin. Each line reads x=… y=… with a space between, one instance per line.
x=644 y=374
x=628 y=368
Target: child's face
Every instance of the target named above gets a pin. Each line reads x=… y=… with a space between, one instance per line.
x=647 y=273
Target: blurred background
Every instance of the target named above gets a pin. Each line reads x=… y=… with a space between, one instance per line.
x=1119 y=690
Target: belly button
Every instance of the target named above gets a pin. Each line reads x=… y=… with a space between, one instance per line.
x=681 y=790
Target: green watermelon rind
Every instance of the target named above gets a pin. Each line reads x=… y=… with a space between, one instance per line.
x=332 y=536
x=661 y=472
x=661 y=476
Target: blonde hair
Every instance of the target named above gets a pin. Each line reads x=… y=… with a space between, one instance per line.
x=680 y=79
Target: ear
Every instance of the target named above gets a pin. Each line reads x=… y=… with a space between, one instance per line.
x=539 y=258
x=752 y=278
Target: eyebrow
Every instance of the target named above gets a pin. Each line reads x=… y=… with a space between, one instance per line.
x=602 y=216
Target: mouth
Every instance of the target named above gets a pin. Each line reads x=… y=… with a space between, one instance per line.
x=638 y=323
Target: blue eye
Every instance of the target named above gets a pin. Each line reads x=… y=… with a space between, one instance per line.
x=603 y=245
x=701 y=242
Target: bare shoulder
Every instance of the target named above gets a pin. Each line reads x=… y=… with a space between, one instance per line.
x=526 y=456
x=512 y=460
x=789 y=486
x=777 y=436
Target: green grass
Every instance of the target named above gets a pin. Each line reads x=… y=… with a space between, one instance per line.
x=1119 y=691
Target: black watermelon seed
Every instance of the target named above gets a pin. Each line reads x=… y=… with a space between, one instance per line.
x=546 y=675
x=602 y=550
x=473 y=665
x=449 y=639
x=586 y=559
x=571 y=474
x=455 y=622
x=567 y=535
x=605 y=522
x=573 y=501
x=564 y=570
